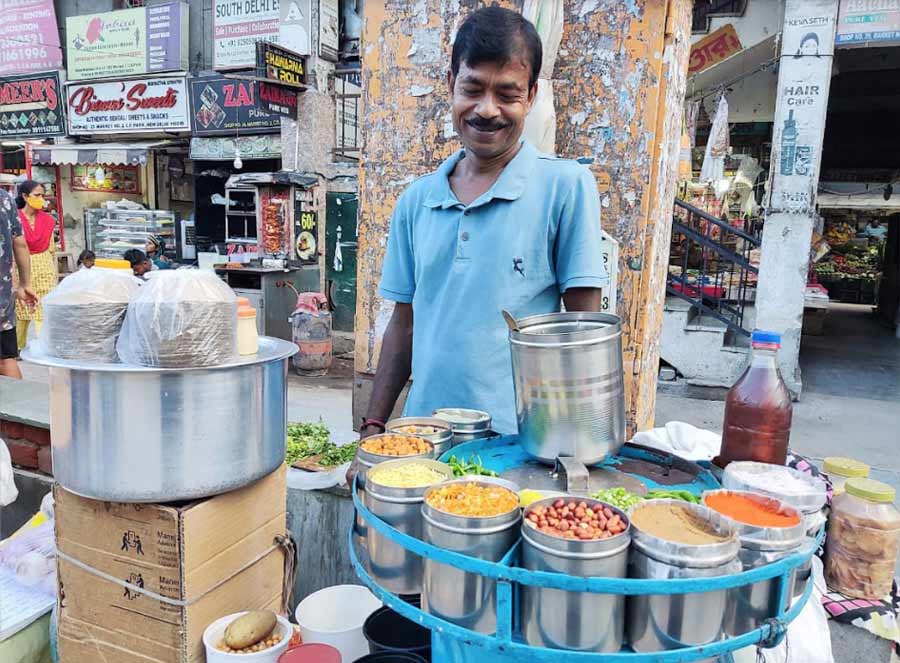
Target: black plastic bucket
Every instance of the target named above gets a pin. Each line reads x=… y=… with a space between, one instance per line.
x=389 y=632
x=391 y=657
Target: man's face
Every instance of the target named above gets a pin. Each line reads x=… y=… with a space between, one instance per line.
x=489 y=103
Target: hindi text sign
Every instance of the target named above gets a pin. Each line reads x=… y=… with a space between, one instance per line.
x=712 y=49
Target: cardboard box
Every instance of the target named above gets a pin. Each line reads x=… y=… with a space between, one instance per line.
x=217 y=556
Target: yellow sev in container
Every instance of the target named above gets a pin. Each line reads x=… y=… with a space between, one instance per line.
x=473 y=500
x=407 y=475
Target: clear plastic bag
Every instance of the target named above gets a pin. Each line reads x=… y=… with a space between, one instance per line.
x=83 y=315
x=181 y=319
x=8 y=490
x=31 y=556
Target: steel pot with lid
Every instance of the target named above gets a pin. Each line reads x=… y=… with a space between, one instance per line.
x=436 y=431
x=569 y=383
x=467 y=425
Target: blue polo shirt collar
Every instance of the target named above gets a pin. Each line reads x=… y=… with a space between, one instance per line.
x=509 y=186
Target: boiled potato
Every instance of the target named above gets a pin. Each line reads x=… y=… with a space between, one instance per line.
x=249 y=629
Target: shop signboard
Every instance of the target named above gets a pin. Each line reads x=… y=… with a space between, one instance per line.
x=295 y=25
x=329 y=35
x=225 y=106
x=279 y=100
x=29 y=38
x=863 y=21
x=31 y=106
x=144 y=105
x=224 y=148
x=281 y=65
x=237 y=26
x=712 y=49
x=128 y=42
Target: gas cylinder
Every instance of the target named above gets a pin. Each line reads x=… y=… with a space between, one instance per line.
x=311 y=322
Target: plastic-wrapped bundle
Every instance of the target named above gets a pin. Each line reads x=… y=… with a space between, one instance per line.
x=181 y=319
x=83 y=315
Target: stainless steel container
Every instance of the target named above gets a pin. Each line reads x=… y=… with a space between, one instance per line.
x=128 y=433
x=467 y=425
x=581 y=621
x=466 y=599
x=570 y=390
x=441 y=438
x=659 y=622
x=751 y=605
x=393 y=566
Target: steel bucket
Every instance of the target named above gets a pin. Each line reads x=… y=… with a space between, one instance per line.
x=580 y=621
x=753 y=604
x=658 y=622
x=126 y=433
x=570 y=389
x=395 y=568
x=466 y=599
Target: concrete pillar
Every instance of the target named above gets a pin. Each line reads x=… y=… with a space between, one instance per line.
x=804 y=77
x=622 y=67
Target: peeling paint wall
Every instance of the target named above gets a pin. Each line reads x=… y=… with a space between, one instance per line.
x=621 y=70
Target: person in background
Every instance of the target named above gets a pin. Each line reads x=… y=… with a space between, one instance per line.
x=13 y=249
x=875 y=230
x=140 y=263
x=86 y=259
x=156 y=251
x=37 y=227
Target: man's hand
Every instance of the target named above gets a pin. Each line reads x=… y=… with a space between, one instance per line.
x=27 y=296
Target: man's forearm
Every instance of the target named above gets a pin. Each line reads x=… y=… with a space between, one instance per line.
x=583 y=299
x=394 y=368
x=23 y=261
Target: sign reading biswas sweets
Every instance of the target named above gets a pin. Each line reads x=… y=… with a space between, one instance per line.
x=31 y=106
x=145 y=105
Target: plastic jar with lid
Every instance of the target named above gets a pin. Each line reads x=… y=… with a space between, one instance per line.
x=248 y=337
x=863 y=540
x=840 y=469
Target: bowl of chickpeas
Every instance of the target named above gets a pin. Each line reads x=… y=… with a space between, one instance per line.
x=265 y=650
x=390 y=446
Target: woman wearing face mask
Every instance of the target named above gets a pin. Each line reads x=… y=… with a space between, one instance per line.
x=38 y=227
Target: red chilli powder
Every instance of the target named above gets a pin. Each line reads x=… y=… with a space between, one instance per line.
x=750 y=512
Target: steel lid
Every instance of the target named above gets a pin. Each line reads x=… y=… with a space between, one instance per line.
x=463 y=420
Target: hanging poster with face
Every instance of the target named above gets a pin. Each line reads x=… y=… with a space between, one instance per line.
x=295 y=26
x=143 y=105
x=224 y=106
x=31 y=106
x=29 y=38
x=237 y=26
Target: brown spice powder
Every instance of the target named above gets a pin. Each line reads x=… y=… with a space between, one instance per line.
x=675 y=523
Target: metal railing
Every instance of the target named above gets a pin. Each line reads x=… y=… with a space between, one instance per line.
x=710 y=266
x=347 y=96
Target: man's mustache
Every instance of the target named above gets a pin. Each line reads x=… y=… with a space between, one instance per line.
x=485 y=125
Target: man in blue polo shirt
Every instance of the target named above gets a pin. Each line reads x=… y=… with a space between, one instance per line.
x=498 y=226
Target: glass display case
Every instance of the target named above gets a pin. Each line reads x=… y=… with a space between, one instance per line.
x=111 y=232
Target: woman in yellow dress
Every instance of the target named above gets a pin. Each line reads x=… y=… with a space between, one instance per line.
x=38 y=227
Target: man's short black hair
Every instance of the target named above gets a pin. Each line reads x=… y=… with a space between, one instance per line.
x=495 y=34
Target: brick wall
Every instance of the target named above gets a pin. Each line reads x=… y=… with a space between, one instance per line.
x=29 y=446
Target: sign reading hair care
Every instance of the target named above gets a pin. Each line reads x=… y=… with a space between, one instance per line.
x=128 y=42
x=863 y=21
x=225 y=106
x=237 y=26
x=31 y=106
x=29 y=38
x=136 y=106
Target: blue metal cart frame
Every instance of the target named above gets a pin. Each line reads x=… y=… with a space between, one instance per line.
x=455 y=644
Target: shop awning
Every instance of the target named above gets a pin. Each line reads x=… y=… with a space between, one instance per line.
x=225 y=148
x=872 y=201
x=111 y=154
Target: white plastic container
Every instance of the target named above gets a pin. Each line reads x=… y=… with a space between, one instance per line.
x=335 y=616
x=215 y=633
x=247 y=336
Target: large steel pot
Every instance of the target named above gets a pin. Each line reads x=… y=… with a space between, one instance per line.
x=466 y=599
x=128 y=433
x=570 y=389
x=658 y=622
x=580 y=621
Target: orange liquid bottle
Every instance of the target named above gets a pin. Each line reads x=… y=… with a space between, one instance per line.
x=758 y=409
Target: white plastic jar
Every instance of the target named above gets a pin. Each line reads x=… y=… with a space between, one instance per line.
x=248 y=337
